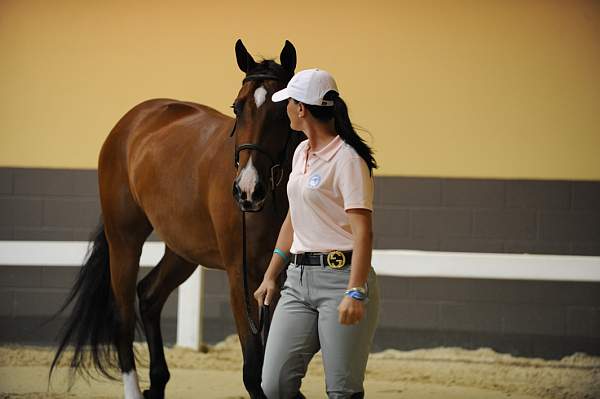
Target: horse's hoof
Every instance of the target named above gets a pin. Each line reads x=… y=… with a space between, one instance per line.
x=150 y=394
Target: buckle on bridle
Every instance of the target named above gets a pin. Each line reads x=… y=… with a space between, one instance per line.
x=336 y=259
x=275 y=181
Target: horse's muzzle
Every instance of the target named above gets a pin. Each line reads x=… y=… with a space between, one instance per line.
x=255 y=204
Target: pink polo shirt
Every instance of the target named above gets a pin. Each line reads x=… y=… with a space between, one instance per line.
x=321 y=187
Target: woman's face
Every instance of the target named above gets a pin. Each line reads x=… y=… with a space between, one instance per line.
x=293 y=108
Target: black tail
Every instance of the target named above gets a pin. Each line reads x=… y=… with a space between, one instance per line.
x=93 y=324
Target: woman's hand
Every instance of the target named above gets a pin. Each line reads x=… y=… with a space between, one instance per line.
x=350 y=310
x=265 y=292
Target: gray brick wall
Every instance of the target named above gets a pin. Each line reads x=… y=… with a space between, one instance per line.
x=482 y=215
x=470 y=215
x=528 y=318
x=49 y=204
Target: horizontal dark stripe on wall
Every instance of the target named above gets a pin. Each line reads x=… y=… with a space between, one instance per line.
x=436 y=214
x=478 y=215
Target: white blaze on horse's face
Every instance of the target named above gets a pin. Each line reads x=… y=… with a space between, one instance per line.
x=131 y=385
x=260 y=95
x=248 y=179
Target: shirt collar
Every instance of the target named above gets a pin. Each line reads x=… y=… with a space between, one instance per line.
x=327 y=152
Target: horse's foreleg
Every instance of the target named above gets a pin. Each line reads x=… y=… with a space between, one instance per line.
x=124 y=265
x=251 y=344
x=153 y=292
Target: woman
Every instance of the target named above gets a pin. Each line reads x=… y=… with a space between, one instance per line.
x=330 y=299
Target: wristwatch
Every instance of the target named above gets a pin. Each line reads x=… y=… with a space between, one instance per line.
x=358 y=293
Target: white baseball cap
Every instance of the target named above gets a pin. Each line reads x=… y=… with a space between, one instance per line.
x=308 y=86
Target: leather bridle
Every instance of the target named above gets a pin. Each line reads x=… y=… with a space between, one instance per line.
x=275 y=163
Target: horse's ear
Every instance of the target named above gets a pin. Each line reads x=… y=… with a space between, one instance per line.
x=244 y=59
x=288 y=57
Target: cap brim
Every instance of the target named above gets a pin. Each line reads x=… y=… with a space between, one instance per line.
x=280 y=95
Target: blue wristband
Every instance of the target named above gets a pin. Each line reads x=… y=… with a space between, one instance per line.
x=282 y=254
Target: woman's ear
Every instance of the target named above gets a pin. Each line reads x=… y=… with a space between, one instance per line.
x=301 y=110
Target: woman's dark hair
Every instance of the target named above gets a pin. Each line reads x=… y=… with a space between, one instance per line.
x=343 y=126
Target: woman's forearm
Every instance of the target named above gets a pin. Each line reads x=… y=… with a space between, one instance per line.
x=362 y=234
x=284 y=243
x=361 y=259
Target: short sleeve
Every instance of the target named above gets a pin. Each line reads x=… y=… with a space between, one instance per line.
x=355 y=184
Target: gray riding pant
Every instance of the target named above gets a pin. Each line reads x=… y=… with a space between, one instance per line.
x=306 y=320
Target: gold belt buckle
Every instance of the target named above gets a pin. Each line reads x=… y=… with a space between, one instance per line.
x=336 y=259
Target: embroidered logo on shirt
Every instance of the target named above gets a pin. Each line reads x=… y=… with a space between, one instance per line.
x=314 y=181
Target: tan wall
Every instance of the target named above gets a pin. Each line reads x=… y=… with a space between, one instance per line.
x=506 y=89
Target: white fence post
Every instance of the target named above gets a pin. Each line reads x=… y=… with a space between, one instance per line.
x=190 y=311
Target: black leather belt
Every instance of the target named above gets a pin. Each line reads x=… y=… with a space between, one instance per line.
x=333 y=259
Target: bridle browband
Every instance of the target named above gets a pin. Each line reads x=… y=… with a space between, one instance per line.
x=263 y=76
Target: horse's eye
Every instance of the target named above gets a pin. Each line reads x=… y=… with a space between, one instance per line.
x=237 y=107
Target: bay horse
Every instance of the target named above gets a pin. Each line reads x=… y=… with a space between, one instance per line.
x=187 y=172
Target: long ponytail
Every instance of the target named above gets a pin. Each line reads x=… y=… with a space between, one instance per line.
x=343 y=126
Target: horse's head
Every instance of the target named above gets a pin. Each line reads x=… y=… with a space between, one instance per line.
x=262 y=129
